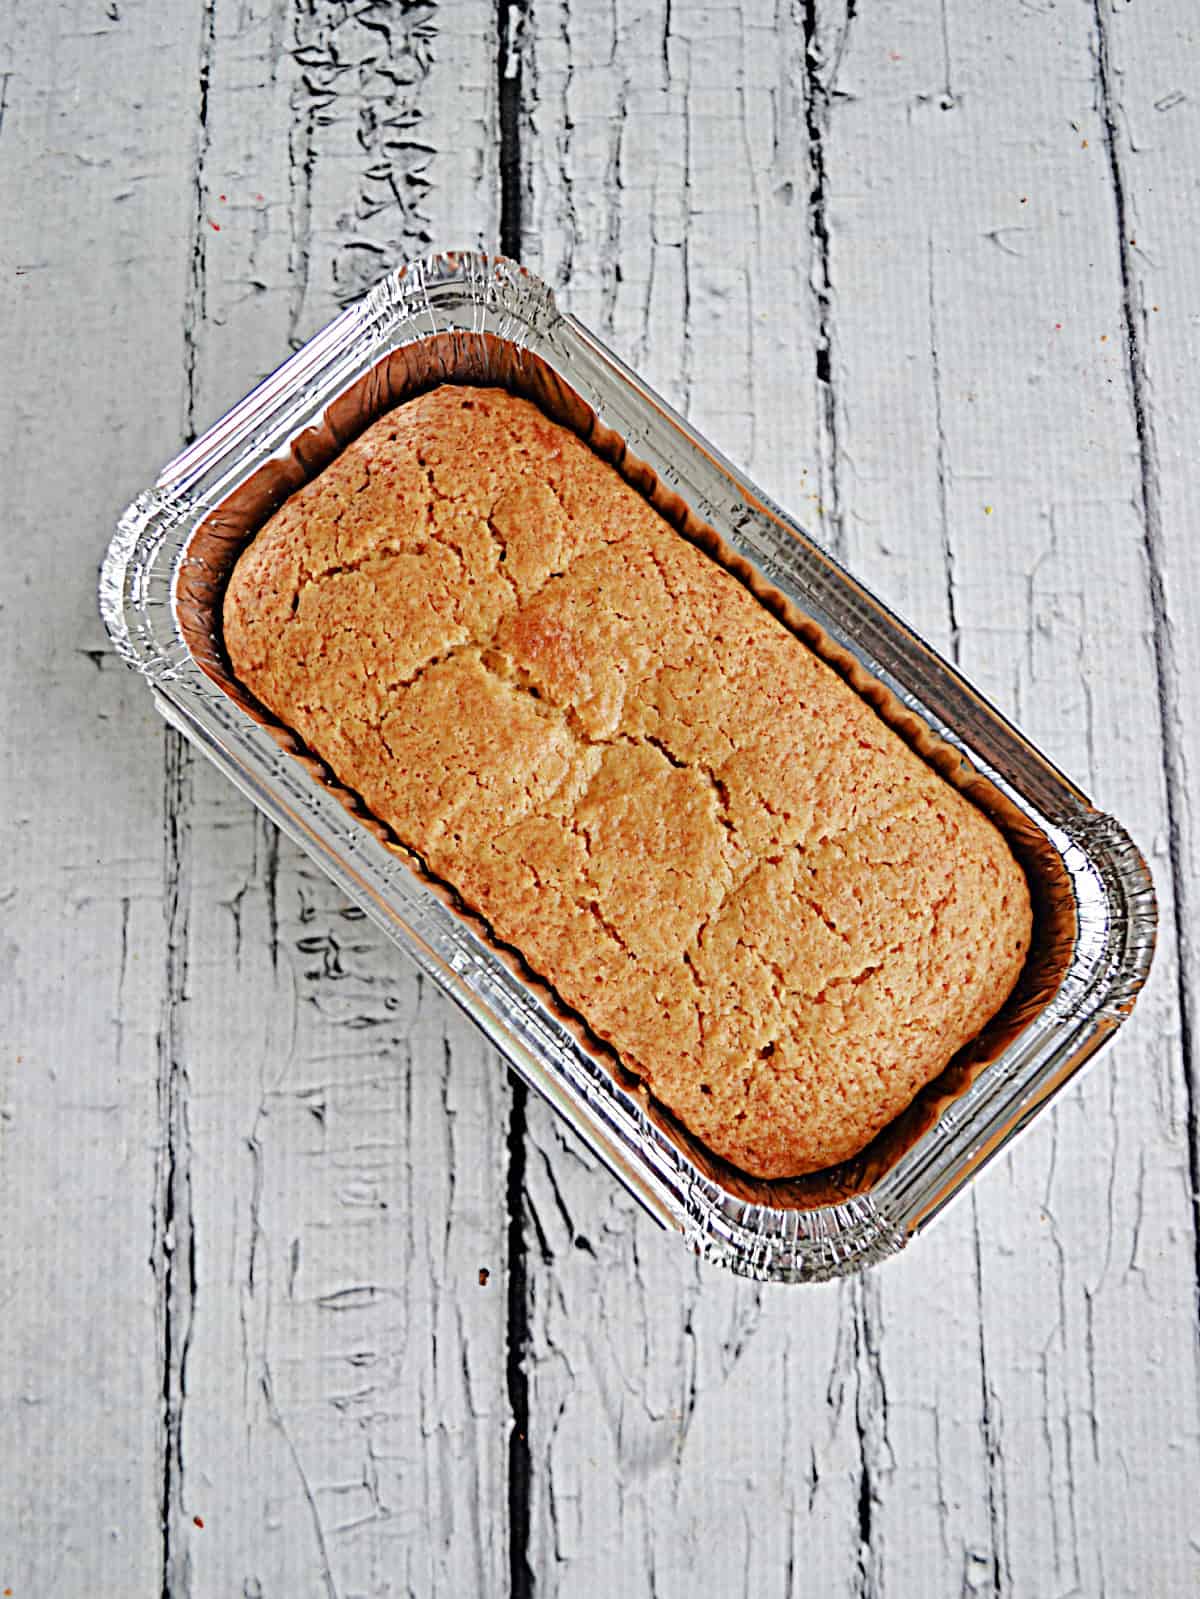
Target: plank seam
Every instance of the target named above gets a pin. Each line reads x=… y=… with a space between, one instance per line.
x=174 y=1255
x=942 y=466
x=174 y=1247
x=999 y=1570
x=198 y=263
x=817 y=96
x=510 y=20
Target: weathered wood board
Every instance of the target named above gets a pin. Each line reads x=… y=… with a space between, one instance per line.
x=342 y=1149
x=298 y=1297
x=96 y=214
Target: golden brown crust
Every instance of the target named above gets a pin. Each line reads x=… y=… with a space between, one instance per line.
x=783 y=920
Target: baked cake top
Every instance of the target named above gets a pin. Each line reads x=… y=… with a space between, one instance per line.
x=783 y=920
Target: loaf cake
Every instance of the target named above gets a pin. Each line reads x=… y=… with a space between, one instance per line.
x=780 y=917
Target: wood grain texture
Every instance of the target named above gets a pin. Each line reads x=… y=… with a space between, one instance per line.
x=672 y=1408
x=340 y=1364
x=990 y=441
x=295 y=1296
x=1150 y=106
x=91 y=286
x=957 y=381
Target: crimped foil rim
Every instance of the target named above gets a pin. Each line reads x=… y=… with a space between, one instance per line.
x=1114 y=899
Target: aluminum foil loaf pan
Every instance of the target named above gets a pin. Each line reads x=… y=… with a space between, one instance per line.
x=481 y=320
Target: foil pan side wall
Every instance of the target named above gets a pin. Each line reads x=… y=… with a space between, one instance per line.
x=291 y=421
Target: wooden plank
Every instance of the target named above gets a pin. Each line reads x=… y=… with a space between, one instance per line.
x=674 y=1409
x=231 y=1118
x=345 y=1422
x=989 y=454
x=92 y=272
x=977 y=465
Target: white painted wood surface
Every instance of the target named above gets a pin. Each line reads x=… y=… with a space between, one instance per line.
x=296 y=1296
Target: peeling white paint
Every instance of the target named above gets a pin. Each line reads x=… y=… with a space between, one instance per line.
x=926 y=272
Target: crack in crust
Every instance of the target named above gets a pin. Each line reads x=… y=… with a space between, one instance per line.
x=779 y=916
